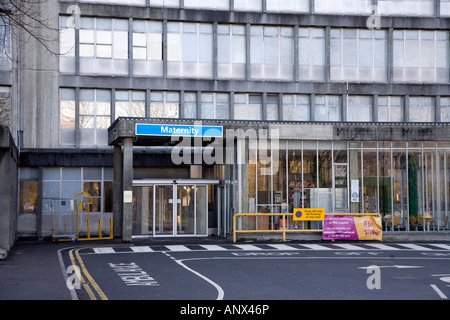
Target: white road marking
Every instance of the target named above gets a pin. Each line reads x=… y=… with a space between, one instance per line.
x=104 y=250
x=141 y=249
x=248 y=247
x=348 y=246
x=442 y=246
x=414 y=247
x=213 y=247
x=282 y=247
x=381 y=246
x=178 y=248
x=438 y=291
x=316 y=247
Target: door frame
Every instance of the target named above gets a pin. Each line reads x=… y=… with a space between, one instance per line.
x=175 y=184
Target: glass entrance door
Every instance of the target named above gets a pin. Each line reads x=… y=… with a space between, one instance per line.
x=163 y=212
x=171 y=210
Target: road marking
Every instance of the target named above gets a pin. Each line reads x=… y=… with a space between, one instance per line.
x=316 y=247
x=438 y=291
x=348 y=246
x=104 y=250
x=414 y=247
x=141 y=249
x=213 y=247
x=178 y=248
x=282 y=247
x=90 y=280
x=220 y=291
x=248 y=247
x=381 y=246
x=442 y=246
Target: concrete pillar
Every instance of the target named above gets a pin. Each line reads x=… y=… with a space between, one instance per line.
x=127 y=226
x=117 y=192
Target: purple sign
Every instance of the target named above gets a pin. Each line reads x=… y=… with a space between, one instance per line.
x=339 y=228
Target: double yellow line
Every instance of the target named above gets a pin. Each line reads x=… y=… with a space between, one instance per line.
x=89 y=281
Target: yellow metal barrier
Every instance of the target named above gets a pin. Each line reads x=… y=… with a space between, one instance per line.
x=284 y=219
x=283 y=229
x=80 y=207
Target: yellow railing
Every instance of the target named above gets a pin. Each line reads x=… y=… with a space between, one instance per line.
x=284 y=216
x=283 y=229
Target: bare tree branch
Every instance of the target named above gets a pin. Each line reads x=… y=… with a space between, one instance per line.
x=28 y=16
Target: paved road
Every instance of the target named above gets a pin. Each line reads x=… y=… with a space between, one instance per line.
x=363 y=271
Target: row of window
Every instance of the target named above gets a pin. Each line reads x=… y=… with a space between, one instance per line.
x=97 y=109
x=356 y=7
x=272 y=52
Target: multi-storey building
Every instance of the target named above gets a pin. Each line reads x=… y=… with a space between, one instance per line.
x=352 y=99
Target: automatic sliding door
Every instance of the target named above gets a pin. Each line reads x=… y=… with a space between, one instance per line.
x=164 y=212
x=186 y=210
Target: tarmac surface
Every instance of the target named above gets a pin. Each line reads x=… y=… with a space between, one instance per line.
x=32 y=270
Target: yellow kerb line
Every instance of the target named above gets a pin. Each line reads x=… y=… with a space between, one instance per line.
x=91 y=280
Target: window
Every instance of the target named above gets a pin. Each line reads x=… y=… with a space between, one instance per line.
x=421 y=56
x=190 y=105
x=123 y=2
x=215 y=106
x=422 y=109
x=211 y=4
x=390 y=109
x=361 y=7
x=359 y=108
x=445 y=109
x=190 y=50
x=353 y=55
x=165 y=3
x=311 y=57
x=64 y=183
x=445 y=8
x=272 y=53
x=288 y=6
x=28 y=194
x=164 y=104
x=67 y=117
x=406 y=7
x=95 y=116
x=272 y=107
x=66 y=45
x=231 y=52
x=296 y=107
x=247 y=107
x=147 y=48
x=103 y=46
x=248 y=5
x=327 y=108
x=130 y=104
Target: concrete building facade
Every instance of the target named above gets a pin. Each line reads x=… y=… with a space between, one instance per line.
x=355 y=94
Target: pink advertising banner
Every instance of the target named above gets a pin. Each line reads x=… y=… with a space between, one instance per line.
x=348 y=227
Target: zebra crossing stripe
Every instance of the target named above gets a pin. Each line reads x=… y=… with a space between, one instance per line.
x=213 y=247
x=282 y=247
x=104 y=250
x=442 y=246
x=316 y=247
x=381 y=246
x=347 y=246
x=414 y=247
x=248 y=247
x=178 y=248
x=141 y=249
